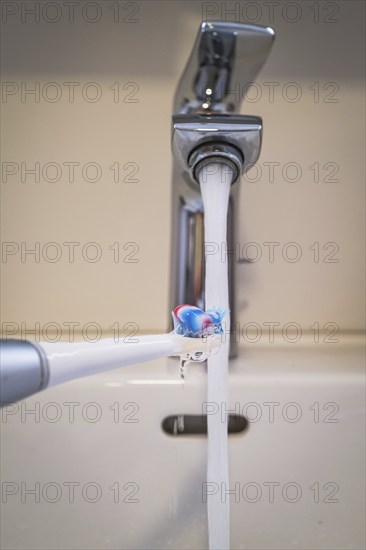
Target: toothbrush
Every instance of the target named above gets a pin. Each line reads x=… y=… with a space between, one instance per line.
x=27 y=367
x=193 y=322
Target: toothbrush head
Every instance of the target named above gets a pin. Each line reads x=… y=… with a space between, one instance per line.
x=193 y=322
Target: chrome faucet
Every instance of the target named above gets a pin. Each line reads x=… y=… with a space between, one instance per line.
x=225 y=59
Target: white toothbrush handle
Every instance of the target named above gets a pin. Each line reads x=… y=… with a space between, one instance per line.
x=27 y=368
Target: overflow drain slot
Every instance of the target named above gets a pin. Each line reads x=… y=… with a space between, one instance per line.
x=196 y=424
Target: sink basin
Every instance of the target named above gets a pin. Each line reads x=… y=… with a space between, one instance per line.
x=91 y=467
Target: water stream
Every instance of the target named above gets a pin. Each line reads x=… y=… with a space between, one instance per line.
x=215 y=182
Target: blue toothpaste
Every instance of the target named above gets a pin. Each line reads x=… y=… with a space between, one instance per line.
x=194 y=322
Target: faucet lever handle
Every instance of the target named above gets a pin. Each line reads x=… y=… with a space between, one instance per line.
x=226 y=57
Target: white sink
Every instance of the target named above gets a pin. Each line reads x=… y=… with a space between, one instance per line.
x=164 y=474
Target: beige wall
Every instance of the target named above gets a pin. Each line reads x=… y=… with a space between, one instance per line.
x=151 y=53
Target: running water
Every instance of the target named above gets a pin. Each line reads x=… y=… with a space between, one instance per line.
x=215 y=182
